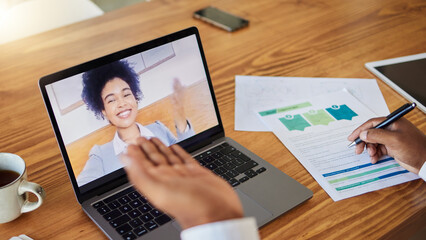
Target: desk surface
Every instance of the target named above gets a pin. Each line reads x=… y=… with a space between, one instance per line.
x=325 y=38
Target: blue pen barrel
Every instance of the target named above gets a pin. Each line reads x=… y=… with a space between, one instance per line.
x=396 y=115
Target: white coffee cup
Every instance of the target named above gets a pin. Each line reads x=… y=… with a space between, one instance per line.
x=14 y=195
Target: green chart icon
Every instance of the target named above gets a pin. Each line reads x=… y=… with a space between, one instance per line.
x=318 y=117
x=294 y=122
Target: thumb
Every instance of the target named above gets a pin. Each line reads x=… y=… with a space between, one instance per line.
x=380 y=136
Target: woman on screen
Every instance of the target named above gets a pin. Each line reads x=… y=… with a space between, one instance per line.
x=112 y=92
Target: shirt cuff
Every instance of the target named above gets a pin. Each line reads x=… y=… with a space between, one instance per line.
x=422 y=172
x=235 y=229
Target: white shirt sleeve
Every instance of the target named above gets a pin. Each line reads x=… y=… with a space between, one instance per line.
x=235 y=229
x=422 y=172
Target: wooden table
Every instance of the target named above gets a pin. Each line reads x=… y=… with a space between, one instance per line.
x=324 y=38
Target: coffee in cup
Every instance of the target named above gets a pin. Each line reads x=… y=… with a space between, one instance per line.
x=14 y=188
x=7 y=176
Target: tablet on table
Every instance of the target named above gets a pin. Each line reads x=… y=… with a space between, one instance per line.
x=406 y=75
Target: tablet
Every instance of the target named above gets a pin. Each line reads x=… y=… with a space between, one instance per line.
x=407 y=75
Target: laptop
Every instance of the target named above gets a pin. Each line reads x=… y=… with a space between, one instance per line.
x=90 y=143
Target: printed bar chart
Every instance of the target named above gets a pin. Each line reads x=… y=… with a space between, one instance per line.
x=312 y=117
x=371 y=174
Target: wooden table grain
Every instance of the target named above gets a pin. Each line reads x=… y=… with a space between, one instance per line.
x=323 y=38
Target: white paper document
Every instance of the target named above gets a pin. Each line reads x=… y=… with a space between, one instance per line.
x=254 y=92
x=315 y=130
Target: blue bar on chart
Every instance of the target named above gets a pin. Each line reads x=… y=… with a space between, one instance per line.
x=341 y=112
x=357 y=167
x=344 y=178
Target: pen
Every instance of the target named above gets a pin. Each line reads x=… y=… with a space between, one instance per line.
x=395 y=115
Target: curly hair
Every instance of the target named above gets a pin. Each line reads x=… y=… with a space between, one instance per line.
x=95 y=80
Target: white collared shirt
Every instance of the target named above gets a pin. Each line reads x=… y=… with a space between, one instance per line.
x=235 y=229
x=120 y=146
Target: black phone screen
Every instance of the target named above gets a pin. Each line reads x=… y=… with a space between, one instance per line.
x=223 y=19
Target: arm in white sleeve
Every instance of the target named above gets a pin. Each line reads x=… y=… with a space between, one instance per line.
x=422 y=172
x=235 y=229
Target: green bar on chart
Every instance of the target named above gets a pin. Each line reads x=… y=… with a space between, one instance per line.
x=363 y=174
x=285 y=109
x=318 y=117
x=294 y=122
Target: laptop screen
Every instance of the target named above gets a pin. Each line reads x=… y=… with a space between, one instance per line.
x=162 y=92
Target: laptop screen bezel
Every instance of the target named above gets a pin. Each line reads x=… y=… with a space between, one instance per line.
x=118 y=177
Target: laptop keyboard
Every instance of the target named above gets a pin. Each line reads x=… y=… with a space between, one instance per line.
x=230 y=164
x=133 y=216
x=130 y=213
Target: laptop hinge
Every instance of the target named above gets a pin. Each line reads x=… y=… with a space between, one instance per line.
x=201 y=144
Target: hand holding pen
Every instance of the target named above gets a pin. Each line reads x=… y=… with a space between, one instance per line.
x=395 y=115
x=398 y=139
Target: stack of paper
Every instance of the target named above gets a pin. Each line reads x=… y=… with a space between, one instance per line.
x=253 y=92
x=315 y=128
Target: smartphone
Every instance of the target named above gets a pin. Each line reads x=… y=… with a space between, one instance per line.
x=221 y=19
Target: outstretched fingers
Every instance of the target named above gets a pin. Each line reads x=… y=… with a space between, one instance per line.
x=183 y=155
x=137 y=157
x=138 y=167
x=151 y=151
x=170 y=156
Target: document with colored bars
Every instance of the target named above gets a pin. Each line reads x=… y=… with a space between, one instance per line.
x=315 y=131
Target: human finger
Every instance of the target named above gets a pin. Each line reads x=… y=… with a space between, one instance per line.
x=139 y=171
x=371 y=149
x=184 y=156
x=137 y=154
x=380 y=136
x=382 y=150
x=359 y=148
x=151 y=151
x=196 y=169
x=171 y=157
x=374 y=158
x=372 y=152
x=367 y=125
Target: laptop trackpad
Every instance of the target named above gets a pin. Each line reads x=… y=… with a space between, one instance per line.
x=253 y=209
